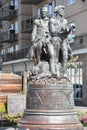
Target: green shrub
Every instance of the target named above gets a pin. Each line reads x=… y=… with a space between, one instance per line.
x=10 y=120
x=3 y=108
x=82 y=117
x=81 y=113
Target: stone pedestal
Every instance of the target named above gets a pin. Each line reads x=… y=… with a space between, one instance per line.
x=50 y=107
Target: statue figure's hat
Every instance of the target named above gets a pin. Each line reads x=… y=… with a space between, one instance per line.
x=58 y=8
x=44 y=8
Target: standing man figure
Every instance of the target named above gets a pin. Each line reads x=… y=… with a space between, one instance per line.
x=59 y=30
x=40 y=37
x=38 y=34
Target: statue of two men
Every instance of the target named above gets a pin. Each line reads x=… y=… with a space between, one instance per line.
x=49 y=39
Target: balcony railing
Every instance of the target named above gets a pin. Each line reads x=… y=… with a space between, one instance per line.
x=30 y=1
x=8 y=13
x=15 y=55
x=80 y=42
x=7 y=36
x=27 y=25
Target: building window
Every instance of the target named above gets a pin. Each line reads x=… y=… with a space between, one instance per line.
x=16 y=4
x=11 y=2
x=2 y=52
x=50 y=7
x=77 y=91
x=16 y=27
x=69 y=2
x=16 y=47
x=76 y=76
x=38 y=12
x=10 y=49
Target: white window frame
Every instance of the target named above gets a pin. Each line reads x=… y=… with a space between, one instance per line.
x=70 y=2
x=16 y=27
x=16 y=47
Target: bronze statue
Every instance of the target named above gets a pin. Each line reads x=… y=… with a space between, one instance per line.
x=49 y=97
x=50 y=42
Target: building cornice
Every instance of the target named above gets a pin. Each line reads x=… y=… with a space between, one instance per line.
x=80 y=51
x=17 y=61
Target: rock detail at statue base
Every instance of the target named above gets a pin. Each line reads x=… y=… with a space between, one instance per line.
x=50 y=106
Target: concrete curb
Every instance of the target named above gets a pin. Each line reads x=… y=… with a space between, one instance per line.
x=7 y=128
x=14 y=128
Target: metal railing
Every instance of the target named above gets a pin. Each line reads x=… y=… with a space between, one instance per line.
x=80 y=42
x=15 y=55
x=8 y=12
x=6 y=35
